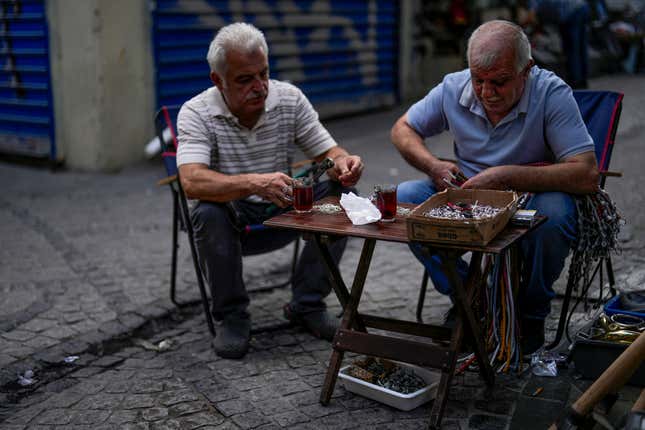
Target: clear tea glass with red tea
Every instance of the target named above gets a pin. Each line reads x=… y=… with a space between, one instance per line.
x=303 y=195
x=385 y=200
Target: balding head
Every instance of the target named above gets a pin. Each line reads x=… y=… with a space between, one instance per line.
x=495 y=39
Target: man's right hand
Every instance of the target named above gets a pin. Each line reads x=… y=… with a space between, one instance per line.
x=275 y=187
x=439 y=170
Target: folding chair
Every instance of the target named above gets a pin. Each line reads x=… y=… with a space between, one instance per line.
x=601 y=112
x=164 y=125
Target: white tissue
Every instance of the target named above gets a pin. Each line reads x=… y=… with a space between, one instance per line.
x=359 y=209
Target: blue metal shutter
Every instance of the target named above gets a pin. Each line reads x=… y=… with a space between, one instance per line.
x=340 y=53
x=26 y=115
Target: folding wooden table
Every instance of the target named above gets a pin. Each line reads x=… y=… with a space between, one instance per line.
x=352 y=334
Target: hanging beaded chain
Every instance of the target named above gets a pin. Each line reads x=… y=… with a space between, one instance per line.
x=599 y=223
x=462 y=210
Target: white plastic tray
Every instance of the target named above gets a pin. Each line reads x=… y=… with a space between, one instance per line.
x=404 y=402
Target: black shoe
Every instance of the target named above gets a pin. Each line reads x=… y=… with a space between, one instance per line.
x=532 y=331
x=232 y=337
x=319 y=323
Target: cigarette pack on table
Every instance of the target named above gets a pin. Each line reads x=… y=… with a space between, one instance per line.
x=462 y=231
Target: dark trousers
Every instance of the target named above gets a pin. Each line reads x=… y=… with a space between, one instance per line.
x=575 y=45
x=221 y=245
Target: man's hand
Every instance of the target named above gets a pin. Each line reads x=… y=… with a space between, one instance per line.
x=348 y=169
x=489 y=179
x=275 y=187
x=442 y=169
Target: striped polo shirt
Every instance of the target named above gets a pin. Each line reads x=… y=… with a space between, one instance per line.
x=208 y=133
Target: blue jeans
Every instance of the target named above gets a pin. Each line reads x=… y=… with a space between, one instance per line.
x=220 y=246
x=544 y=250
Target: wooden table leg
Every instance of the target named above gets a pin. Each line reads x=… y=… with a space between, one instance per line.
x=463 y=296
x=349 y=316
x=337 y=283
x=439 y=405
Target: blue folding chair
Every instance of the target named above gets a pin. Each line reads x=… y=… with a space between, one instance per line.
x=601 y=113
x=165 y=118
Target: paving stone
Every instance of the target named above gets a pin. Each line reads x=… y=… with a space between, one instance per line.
x=174 y=397
x=123 y=416
x=234 y=406
x=86 y=372
x=18 y=335
x=56 y=417
x=317 y=410
x=273 y=406
x=92 y=386
x=100 y=401
x=533 y=413
x=217 y=394
x=91 y=417
x=37 y=325
x=166 y=425
x=64 y=400
x=59 y=332
x=154 y=414
x=6 y=359
x=41 y=342
x=290 y=387
x=200 y=420
x=138 y=401
x=145 y=386
x=108 y=361
x=250 y=420
x=552 y=388
x=136 y=426
x=488 y=422
x=118 y=387
x=186 y=408
x=131 y=320
x=24 y=416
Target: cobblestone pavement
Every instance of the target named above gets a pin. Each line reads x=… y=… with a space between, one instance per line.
x=84 y=272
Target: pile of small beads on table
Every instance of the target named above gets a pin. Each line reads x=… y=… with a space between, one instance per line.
x=328 y=208
x=461 y=210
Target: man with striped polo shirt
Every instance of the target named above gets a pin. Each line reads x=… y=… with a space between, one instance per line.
x=236 y=141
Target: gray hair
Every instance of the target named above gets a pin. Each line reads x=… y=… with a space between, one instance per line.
x=505 y=35
x=239 y=36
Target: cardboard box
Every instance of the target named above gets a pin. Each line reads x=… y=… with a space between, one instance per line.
x=468 y=231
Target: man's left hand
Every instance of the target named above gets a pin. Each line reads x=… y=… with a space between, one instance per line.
x=348 y=169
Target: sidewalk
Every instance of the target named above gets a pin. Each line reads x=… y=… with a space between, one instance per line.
x=84 y=271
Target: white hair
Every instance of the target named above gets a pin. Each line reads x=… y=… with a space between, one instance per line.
x=239 y=36
x=506 y=35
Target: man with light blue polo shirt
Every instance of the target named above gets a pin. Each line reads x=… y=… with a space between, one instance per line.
x=506 y=117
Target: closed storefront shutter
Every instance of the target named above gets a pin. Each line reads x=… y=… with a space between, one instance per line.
x=26 y=115
x=342 y=54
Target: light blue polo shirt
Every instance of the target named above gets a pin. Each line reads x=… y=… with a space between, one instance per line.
x=544 y=126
